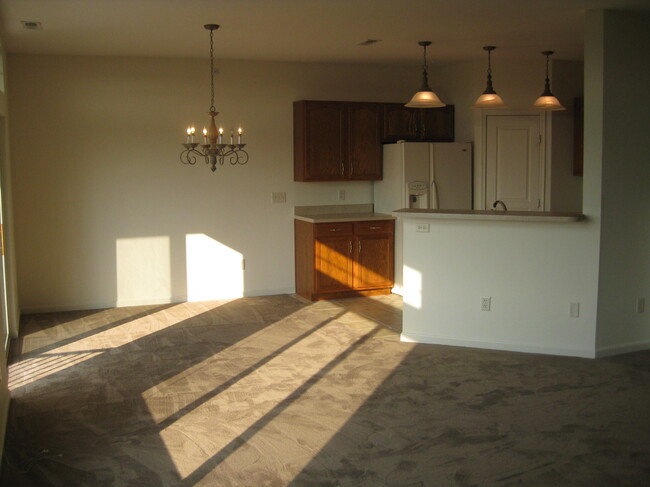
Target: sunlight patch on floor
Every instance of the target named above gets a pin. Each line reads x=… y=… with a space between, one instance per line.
x=125 y=333
x=36 y=368
x=217 y=370
x=222 y=433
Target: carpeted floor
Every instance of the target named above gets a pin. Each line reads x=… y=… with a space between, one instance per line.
x=275 y=391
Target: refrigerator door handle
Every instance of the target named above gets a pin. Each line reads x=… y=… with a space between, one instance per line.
x=434 y=195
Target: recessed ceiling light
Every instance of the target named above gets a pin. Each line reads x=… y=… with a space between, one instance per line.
x=368 y=42
x=31 y=25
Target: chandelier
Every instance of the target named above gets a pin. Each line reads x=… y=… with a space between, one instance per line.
x=213 y=150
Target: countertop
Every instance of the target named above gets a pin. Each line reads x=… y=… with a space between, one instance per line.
x=344 y=217
x=338 y=213
x=519 y=216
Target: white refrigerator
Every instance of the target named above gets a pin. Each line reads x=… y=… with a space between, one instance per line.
x=423 y=175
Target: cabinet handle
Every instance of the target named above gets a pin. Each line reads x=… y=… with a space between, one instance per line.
x=335 y=229
x=342 y=169
x=375 y=228
x=359 y=246
x=350 y=247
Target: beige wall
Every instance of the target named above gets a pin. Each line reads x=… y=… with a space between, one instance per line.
x=103 y=206
x=105 y=213
x=625 y=160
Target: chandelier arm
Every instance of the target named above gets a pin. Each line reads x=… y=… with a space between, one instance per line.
x=188 y=156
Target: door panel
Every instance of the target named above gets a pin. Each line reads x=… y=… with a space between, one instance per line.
x=324 y=141
x=363 y=141
x=374 y=264
x=333 y=264
x=514 y=167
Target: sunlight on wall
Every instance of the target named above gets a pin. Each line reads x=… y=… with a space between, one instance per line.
x=412 y=287
x=258 y=402
x=214 y=270
x=143 y=271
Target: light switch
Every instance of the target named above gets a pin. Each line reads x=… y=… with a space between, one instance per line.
x=280 y=197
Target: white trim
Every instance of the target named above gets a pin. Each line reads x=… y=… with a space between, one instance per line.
x=622 y=348
x=508 y=347
x=143 y=302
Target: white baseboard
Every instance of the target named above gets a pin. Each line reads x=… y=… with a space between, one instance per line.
x=509 y=347
x=620 y=349
x=141 y=302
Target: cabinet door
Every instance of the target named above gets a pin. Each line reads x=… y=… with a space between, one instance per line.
x=400 y=122
x=363 y=141
x=318 y=141
x=438 y=124
x=333 y=264
x=374 y=261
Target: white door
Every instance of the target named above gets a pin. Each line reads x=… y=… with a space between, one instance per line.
x=514 y=164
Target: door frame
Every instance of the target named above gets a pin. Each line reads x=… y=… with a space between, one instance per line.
x=480 y=153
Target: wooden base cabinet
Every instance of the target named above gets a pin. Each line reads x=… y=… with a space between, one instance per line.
x=344 y=259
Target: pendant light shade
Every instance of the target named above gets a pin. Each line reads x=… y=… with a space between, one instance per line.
x=425 y=98
x=489 y=99
x=547 y=100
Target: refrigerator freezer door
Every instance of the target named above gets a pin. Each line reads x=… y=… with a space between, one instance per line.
x=452 y=176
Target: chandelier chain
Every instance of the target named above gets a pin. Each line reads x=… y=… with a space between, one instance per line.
x=212 y=107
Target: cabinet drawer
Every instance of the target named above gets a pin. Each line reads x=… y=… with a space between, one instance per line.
x=331 y=229
x=375 y=226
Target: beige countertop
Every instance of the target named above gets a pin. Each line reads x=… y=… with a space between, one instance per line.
x=344 y=217
x=519 y=216
x=338 y=213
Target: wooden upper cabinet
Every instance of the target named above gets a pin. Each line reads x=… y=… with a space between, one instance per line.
x=417 y=124
x=400 y=122
x=337 y=141
x=318 y=141
x=363 y=141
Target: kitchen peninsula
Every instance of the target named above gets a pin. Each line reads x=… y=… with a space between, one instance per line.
x=504 y=280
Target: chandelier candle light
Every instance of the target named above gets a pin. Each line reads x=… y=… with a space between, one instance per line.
x=213 y=150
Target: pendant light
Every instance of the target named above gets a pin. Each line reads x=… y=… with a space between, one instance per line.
x=547 y=100
x=213 y=150
x=489 y=99
x=425 y=98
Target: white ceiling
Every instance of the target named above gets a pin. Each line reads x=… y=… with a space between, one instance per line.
x=302 y=30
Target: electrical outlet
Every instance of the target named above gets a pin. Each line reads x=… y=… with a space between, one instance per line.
x=640 y=305
x=486 y=304
x=341 y=194
x=422 y=227
x=574 y=310
x=280 y=197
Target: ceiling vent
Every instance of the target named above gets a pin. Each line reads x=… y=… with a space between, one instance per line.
x=31 y=25
x=369 y=42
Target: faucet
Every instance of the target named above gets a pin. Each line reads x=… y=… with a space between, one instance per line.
x=497 y=203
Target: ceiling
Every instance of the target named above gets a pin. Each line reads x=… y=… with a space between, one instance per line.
x=303 y=30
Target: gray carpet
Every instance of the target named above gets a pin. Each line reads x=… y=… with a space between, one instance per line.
x=275 y=391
